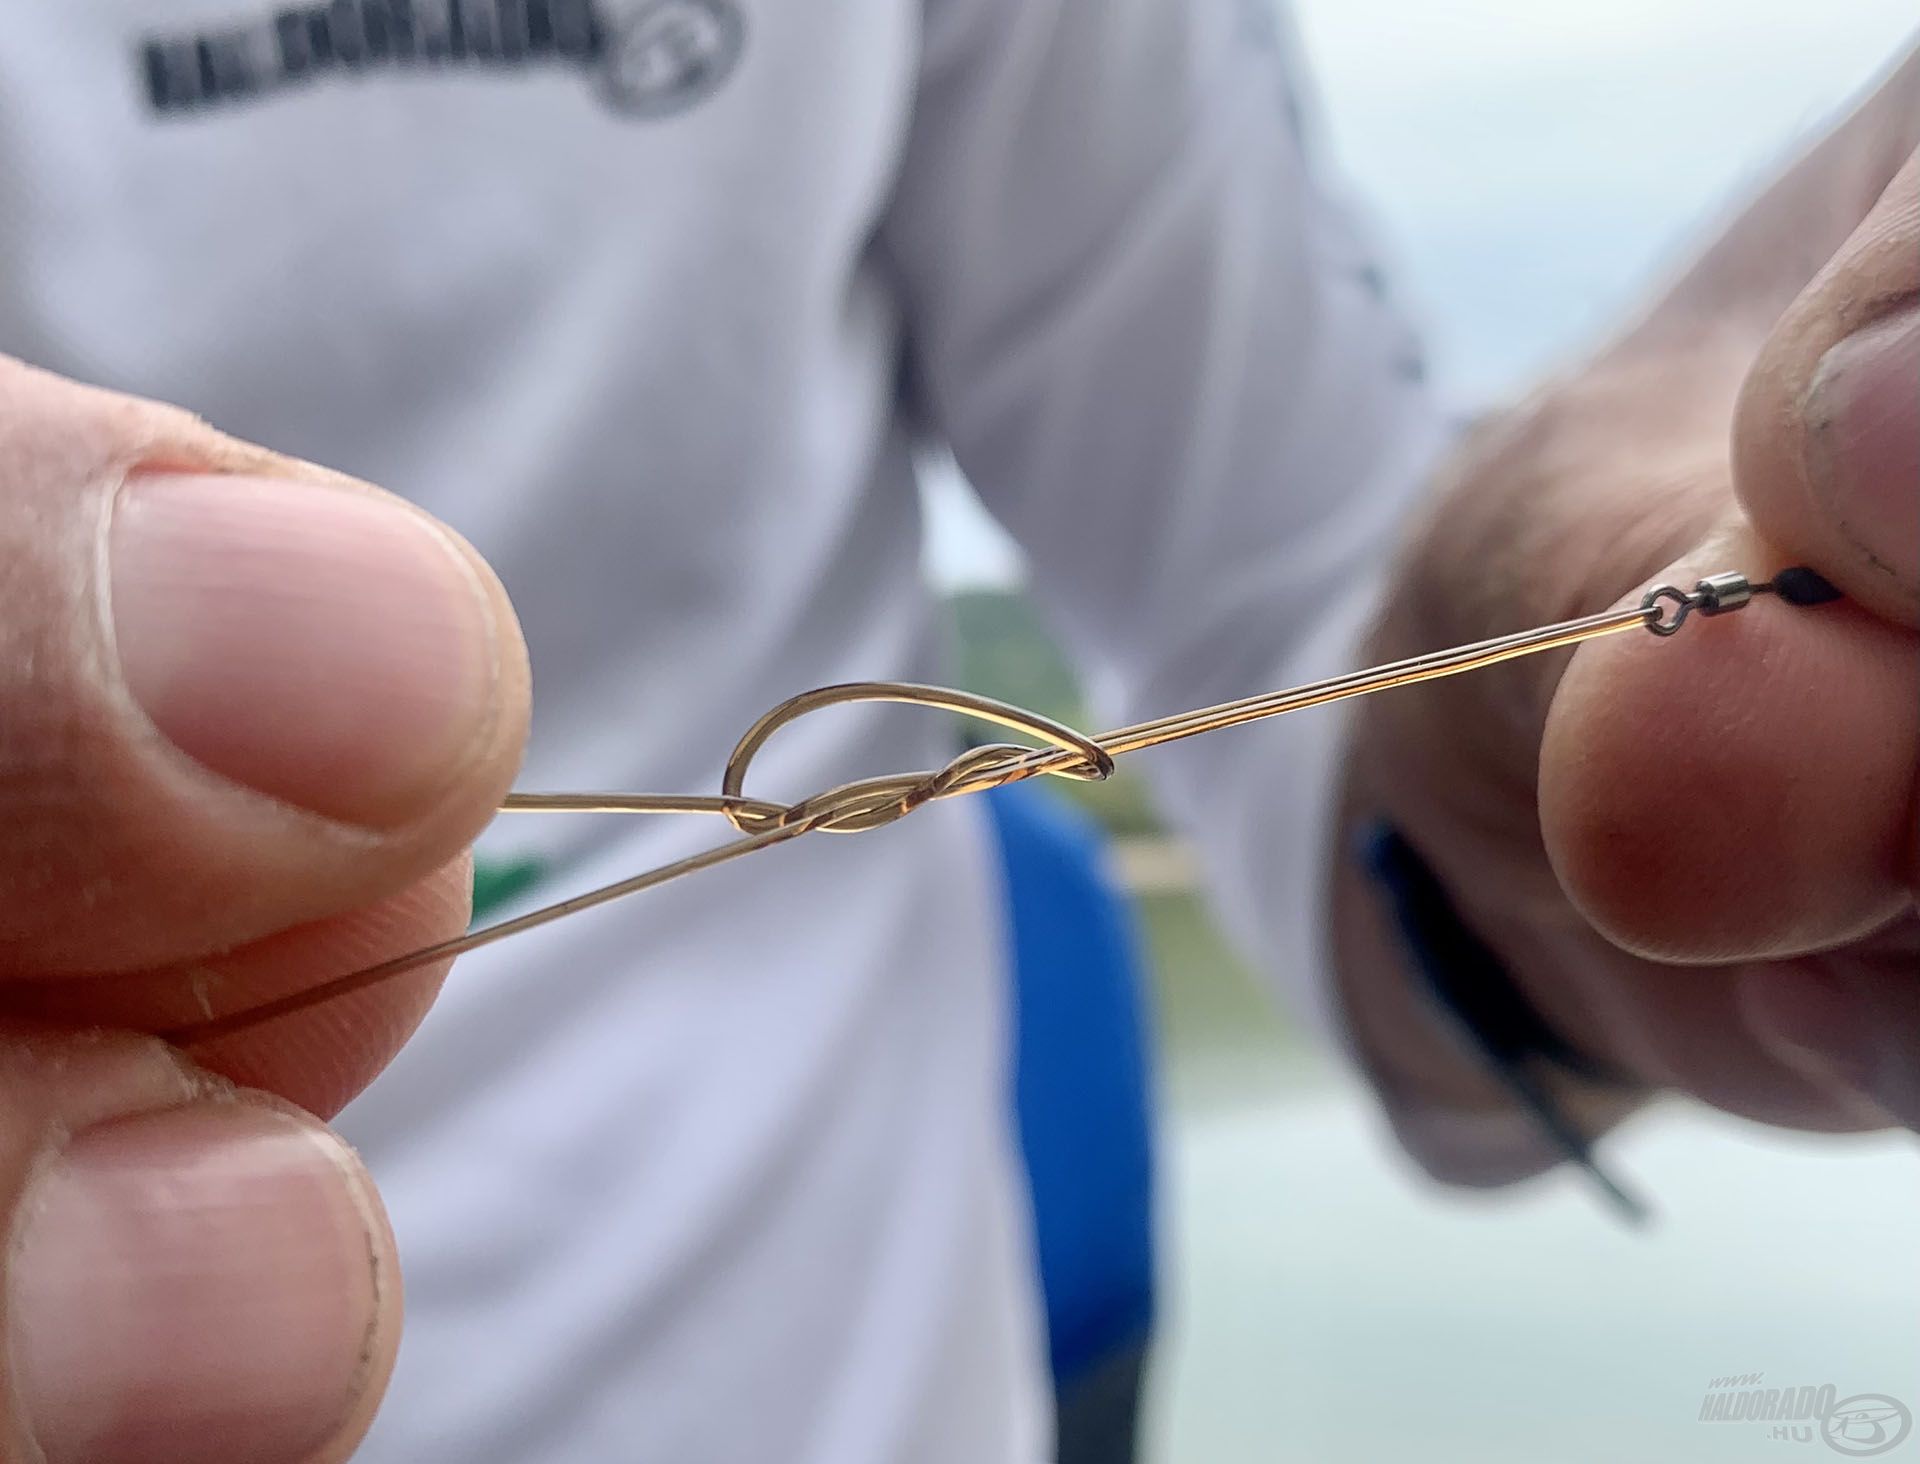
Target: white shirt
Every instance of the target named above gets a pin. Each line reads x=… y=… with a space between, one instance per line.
x=653 y=309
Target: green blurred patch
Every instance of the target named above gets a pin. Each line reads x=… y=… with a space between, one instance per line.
x=1222 y=1039
x=498 y=882
x=1006 y=652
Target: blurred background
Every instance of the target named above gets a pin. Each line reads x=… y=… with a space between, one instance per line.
x=1535 y=167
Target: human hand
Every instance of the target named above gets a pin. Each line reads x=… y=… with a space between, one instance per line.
x=1699 y=857
x=251 y=714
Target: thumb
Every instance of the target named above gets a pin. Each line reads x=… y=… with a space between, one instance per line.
x=237 y=693
x=1827 y=436
x=194 y=1272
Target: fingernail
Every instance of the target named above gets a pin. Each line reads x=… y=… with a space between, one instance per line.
x=1864 y=440
x=328 y=647
x=1822 y=1029
x=196 y=1284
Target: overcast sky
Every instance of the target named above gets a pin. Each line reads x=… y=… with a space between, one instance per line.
x=1536 y=162
x=1532 y=164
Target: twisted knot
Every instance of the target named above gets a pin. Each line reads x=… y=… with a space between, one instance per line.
x=871 y=803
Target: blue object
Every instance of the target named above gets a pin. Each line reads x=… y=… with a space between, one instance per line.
x=1083 y=1086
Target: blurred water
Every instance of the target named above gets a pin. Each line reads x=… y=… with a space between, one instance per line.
x=1329 y=1309
x=1326 y=1305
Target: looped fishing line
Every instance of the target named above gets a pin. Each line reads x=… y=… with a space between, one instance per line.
x=872 y=803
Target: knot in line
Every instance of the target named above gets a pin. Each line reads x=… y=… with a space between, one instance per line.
x=871 y=803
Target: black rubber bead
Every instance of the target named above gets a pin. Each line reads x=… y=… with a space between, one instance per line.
x=1801 y=586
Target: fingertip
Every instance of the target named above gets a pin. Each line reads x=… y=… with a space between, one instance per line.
x=243 y=693
x=1742 y=790
x=211 y=1280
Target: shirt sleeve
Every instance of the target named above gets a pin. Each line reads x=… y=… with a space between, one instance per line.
x=1160 y=349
